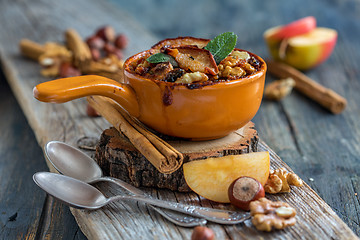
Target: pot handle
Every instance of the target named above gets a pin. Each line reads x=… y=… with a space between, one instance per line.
x=67 y=89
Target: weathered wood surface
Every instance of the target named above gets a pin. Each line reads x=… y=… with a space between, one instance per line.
x=318 y=145
x=26 y=211
x=314 y=143
x=315 y=219
x=120 y=159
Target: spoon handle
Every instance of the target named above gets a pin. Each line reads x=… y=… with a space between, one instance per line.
x=128 y=187
x=213 y=215
x=174 y=217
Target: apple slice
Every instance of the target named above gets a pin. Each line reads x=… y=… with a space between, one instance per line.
x=200 y=42
x=309 y=50
x=211 y=178
x=301 y=26
x=194 y=58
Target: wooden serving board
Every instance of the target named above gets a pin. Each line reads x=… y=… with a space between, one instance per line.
x=68 y=122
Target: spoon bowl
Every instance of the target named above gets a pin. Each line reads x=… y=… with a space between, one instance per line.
x=69 y=190
x=62 y=158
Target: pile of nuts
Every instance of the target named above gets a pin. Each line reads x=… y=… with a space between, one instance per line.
x=235 y=65
x=101 y=54
x=105 y=43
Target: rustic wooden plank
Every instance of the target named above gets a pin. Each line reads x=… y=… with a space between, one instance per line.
x=67 y=122
x=21 y=201
x=315 y=219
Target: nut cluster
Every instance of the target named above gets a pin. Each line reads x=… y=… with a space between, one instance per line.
x=52 y=58
x=267 y=214
x=101 y=54
x=105 y=42
x=280 y=180
x=235 y=65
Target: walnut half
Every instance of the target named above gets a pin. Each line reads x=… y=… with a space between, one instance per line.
x=280 y=180
x=267 y=214
x=279 y=89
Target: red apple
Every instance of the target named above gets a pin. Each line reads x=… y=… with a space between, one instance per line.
x=309 y=50
x=304 y=51
x=301 y=26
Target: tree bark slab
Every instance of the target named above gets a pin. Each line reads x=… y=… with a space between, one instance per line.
x=119 y=158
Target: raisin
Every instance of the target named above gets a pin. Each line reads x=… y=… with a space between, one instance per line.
x=174 y=75
x=255 y=63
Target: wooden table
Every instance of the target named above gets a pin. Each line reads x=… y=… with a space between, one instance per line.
x=322 y=148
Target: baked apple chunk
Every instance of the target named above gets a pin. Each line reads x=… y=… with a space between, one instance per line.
x=194 y=59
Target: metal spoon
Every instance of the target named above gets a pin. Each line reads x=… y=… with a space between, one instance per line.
x=74 y=163
x=82 y=195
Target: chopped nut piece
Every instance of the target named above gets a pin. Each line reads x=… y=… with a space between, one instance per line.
x=51 y=71
x=240 y=55
x=52 y=57
x=285 y=212
x=268 y=214
x=273 y=184
x=235 y=65
x=46 y=61
x=279 y=181
x=294 y=180
x=279 y=89
x=192 y=77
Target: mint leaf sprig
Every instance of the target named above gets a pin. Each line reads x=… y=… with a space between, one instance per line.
x=162 y=57
x=222 y=45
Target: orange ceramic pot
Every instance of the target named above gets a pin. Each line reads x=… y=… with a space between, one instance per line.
x=196 y=112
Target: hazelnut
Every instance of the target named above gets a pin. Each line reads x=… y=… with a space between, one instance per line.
x=121 y=41
x=95 y=42
x=107 y=33
x=118 y=53
x=91 y=112
x=67 y=70
x=95 y=54
x=245 y=190
x=109 y=48
x=202 y=233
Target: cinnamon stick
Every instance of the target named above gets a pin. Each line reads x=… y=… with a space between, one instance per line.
x=322 y=95
x=162 y=155
x=31 y=49
x=81 y=51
